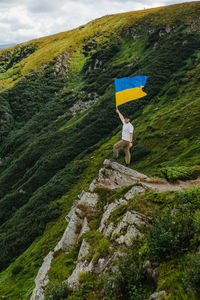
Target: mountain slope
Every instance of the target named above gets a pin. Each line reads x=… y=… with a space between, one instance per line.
x=58 y=120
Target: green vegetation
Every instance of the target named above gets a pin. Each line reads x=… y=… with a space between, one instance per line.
x=100 y=246
x=171 y=234
x=47 y=155
x=173 y=174
x=130 y=281
x=115 y=214
x=11 y=57
x=192 y=274
x=60 y=291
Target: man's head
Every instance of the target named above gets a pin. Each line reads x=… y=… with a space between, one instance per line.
x=127 y=119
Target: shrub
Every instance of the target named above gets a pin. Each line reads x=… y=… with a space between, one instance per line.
x=191 y=276
x=130 y=281
x=189 y=197
x=59 y=291
x=172 y=174
x=170 y=234
x=157 y=197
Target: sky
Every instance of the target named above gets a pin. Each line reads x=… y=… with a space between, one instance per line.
x=23 y=20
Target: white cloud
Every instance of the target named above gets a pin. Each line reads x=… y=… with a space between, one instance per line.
x=22 y=20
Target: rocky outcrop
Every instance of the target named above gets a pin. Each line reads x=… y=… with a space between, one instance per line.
x=42 y=279
x=114 y=176
x=5 y=122
x=137 y=31
x=122 y=230
x=62 y=64
x=81 y=106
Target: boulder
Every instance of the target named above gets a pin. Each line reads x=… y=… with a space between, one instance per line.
x=158 y=295
x=87 y=201
x=127 y=229
x=114 y=176
x=124 y=170
x=135 y=190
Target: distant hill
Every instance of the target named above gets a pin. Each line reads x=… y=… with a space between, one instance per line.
x=58 y=123
x=4 y=46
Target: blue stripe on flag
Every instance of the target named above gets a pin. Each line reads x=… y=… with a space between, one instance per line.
x=125 y=83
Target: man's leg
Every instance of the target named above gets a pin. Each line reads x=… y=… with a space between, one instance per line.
x=116 y=148
x=127 y=154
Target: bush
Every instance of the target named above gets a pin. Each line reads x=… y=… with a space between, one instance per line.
x=170 y=234
x=59 y=291
x=130 y=281
x=189 y=197
x=191 y=276
x=172 y=174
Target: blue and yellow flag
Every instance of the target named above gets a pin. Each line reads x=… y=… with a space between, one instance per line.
x=127 y=89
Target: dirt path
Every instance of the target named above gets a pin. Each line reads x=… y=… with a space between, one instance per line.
x=162 y=185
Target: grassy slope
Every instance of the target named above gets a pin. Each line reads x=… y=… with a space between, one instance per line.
x=50 y=47
x=175 y=115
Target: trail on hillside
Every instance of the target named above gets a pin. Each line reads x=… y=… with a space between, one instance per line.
x=162 y=185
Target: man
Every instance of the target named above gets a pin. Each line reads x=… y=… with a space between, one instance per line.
x=127 y=138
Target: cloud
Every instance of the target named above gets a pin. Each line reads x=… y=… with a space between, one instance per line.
x=27 y=19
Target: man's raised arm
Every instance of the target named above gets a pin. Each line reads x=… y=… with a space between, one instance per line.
x=120 y=115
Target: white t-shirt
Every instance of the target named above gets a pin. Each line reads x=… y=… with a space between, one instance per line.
x=126 y=130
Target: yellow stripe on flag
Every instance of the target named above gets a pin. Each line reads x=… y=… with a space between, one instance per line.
x=128 y=95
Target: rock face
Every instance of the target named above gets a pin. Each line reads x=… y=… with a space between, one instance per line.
x=62 y=64
x=42 y=280
x=114 y=176
x=81 y=106
x=117 y=223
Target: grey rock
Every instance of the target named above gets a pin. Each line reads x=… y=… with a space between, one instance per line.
x=158 y=295
x=82 y=266
x=108 y=209
x=42 y=279
x=85 y=227
x=135 y=190
x=132 y=234
x=127 y=228
x=71 y=233
x=81 y=106
x=62 y=64
x=152 y=270
x=109 y=230
x=112 y=179
x=84 y=249
x=88 y=200
x=124 y=170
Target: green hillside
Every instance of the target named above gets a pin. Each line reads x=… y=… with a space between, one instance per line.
x=50 y=150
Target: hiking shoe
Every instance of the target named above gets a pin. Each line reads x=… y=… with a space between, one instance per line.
x=127 y=165
x=113 y=159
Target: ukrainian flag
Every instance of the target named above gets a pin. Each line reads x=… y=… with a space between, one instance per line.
x=127 y=89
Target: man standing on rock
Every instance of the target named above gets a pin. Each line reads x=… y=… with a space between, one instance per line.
x=127 y=138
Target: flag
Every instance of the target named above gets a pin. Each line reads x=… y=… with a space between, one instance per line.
x=127 y=89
